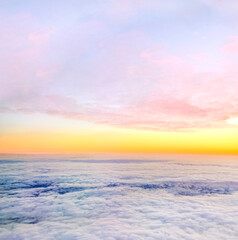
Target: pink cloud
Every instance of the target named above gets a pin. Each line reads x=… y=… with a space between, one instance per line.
x=231 y=47
x=173 y=107
x=201 y=56
x=40 y=36
x=48 y=72
x=127 y=84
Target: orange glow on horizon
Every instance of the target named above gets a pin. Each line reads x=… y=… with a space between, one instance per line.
x=124 y=141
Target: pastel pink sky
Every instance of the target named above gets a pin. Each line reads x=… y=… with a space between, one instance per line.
x=160 y=65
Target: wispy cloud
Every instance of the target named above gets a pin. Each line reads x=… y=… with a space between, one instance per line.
x=119 y=72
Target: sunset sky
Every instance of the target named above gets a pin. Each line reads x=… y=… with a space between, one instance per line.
x=126 y=76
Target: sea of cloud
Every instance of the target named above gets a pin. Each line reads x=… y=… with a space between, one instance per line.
x=118 y=200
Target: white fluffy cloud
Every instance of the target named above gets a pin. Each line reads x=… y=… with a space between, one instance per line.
x=115 y=200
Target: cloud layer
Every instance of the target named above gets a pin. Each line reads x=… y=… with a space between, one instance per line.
x=118 y=199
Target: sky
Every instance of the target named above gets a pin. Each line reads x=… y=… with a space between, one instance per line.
x=126 y=76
